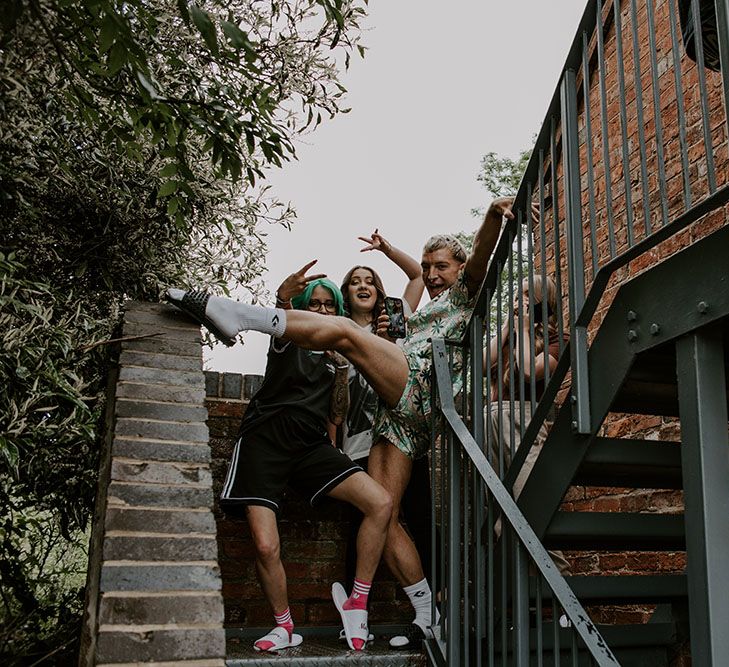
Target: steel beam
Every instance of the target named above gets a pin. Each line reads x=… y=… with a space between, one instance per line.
x=705 y=461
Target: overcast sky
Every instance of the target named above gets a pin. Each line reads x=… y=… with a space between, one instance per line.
x=441 y=85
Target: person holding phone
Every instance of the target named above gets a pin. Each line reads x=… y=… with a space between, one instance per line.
x=400 y=376
x=364 y=302
x=285 y=439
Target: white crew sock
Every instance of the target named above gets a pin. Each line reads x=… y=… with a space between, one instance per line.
x=421 y=599
x=232 y=317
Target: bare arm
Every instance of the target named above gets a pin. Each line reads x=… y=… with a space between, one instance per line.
x=409 y=266
x=339 y=402
x=294 y=285
x=485 y=242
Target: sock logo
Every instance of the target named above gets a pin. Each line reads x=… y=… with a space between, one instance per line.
x=274 y=321
x=420 y=594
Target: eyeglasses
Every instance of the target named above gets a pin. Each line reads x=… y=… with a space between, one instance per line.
x=329 y=306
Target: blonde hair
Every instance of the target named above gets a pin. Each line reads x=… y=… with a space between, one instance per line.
x=440 y=241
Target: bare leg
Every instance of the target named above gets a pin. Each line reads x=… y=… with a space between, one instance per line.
x=391 y=468
x=382 y=363
x=375 y=503
x=271 y=574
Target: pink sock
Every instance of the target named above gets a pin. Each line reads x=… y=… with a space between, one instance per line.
x=360 y=593
x=284 y=621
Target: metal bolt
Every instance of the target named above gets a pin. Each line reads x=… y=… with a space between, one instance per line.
x=632 y=335
x=632 y=316
x=655 y=329
x=573 y=398
x=574 y=425
x=702 y=307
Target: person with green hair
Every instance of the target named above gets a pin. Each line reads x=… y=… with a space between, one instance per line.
x=286 y=439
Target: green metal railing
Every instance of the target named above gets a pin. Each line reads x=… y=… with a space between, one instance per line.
x=632 y=151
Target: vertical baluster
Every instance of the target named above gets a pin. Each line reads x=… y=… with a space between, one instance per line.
x=511 y=351
x=477 y=417
x=490 y=582
x=454 y=624
x=588 y=152
x=722 y=23
x=678 y=85
x=624 y=122
x=705 y=123
x=555 y=632
x=605 y=133
x=542 y=245
x=578 y=334
x=638 y=84
x=436 y=557
x=557 y=244
x=466 y=572
x=540 y=620
x=657 y=112
x=521 y=352
x=521 y=602
x=526 y=228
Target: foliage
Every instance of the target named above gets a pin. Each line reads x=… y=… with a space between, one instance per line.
x=501 y=176
x=133 y=138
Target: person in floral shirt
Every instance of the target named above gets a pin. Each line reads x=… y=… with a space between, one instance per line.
x=400 y=376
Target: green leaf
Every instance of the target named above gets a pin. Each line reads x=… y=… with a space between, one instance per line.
x=168 y=170
x=172 y=205
x=147 y=85
x=237 y=38
x=202 y=22
x=117 y=58
x=167 y=188
x=107 y=34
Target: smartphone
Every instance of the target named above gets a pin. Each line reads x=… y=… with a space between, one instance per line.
x=396 y=313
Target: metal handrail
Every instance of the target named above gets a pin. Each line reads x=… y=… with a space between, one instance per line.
x=580 y=620
x=565 y=235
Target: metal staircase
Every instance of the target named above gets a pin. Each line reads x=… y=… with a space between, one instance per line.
x=629 y=182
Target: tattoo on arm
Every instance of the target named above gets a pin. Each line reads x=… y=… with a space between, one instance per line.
x=339 y=403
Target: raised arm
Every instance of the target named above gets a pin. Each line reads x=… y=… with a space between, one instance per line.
x=295 y=284
x=409 y=266
x=485 y=242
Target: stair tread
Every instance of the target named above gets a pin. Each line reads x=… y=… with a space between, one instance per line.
x=632 y=587
x=323 y=652
x=616 y=530
x=631 y=463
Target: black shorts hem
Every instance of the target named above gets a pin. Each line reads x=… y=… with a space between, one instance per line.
x=237 y=506
x=336 y=481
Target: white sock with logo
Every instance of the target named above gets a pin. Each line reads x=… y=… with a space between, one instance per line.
x=232 y=317
x=421 y=599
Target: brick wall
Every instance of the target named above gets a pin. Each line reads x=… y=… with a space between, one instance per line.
x=313 y=540
x=589 y=98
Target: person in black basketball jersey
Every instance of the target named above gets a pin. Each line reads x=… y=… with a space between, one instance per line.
x=285 y=438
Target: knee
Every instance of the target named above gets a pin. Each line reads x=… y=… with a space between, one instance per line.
x=381 y=506
x=268 y=548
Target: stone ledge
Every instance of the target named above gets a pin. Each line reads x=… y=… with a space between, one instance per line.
x=156 y=645
x=160 y=577
x=155 y=450
x=160 y=520
x=154 y=472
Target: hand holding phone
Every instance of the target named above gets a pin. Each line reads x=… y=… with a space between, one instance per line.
x=396 y=312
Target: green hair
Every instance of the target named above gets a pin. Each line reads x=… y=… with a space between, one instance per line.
x=302 y=301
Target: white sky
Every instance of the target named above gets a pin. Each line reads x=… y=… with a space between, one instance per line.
x=441 y=85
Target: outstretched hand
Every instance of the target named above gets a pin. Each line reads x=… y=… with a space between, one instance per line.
x=501 y=207
x=375 y=242
x=296 y=283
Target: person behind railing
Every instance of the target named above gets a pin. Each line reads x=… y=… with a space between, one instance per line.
x=400 y=376
x=364 y=296
x=518 y=359
x=283 y=440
